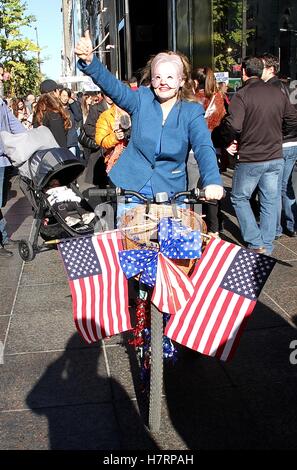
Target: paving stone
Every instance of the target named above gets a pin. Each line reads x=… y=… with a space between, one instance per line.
x=10 y=269
x=286 y=298
x=284 y=274
x=263 y=357
x=267 y=314
x=4 y=320
x=46 y=268
x=80 y=427
x=50 y=330
x=120 y=369
x=272 y=405
x=207 y=419
x=134 y=433
x=7 y=295
x=286 y=252
x=43 y=298
x=70 y=377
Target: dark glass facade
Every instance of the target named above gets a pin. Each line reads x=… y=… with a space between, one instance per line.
x=246 y=27
x=218 y=33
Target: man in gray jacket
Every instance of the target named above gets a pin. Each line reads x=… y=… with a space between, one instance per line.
x=8 y=122
x=257 y=114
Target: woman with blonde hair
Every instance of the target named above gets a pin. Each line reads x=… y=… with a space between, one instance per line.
x=166 y=122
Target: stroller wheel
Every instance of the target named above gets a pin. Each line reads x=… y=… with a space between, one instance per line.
x=26 y=250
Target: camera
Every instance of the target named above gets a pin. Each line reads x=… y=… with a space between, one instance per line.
x=125 y=125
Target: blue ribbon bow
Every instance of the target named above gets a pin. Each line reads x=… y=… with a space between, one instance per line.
x=176 y=242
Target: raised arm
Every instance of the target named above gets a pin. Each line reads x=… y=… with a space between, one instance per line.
x=120 y=93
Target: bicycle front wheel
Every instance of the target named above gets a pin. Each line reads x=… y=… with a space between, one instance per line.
x=156 y=373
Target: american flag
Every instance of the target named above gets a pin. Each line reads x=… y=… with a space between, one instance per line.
x=227 y=281
x=98 y=286
x=173 y=287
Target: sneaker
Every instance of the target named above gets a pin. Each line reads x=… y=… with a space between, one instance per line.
x=290 y=233
x=72 y=221
x=5 y=253
x=277 y=237
x=88 y=217
x=261 y=250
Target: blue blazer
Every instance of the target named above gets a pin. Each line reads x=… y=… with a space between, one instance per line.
x=157 y=153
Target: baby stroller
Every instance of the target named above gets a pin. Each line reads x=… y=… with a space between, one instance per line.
x=52 y=216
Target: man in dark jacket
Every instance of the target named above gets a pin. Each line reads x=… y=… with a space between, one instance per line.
x=256 y=116
x=287 y=203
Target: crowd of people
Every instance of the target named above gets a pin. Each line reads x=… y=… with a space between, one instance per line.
x=175 y=128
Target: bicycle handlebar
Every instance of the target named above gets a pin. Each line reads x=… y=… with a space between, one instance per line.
x=195 y=194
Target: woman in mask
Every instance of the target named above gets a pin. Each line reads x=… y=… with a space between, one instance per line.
x=166 y=123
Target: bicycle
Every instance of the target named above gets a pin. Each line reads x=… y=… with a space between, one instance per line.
x=145 y=232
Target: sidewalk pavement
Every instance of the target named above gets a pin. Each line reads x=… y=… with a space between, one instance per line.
x=59 y=393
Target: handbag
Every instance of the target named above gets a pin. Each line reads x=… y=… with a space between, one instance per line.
x=87 y=141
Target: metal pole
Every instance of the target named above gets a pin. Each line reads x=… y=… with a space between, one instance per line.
x=38 y=52
x=173 y=22
x=128 y=39
x=243 y=31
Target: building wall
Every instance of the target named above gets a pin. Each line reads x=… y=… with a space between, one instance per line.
x=187 y=26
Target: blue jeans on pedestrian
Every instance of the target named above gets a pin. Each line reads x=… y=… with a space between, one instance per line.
x=245 y=179
x=3 y=233
x=287 y=211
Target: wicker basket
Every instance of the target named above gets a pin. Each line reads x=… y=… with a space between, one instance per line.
x=140 y=228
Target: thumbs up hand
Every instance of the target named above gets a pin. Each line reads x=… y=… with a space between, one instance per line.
x=84 y=48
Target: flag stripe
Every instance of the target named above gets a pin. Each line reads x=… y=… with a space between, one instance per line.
x=173 y=288
x=121 y=286
x=199 y=339
x=182 y=322
x=91 y=307
x=106 y=289
x=98 y=286
x=76 y=299
x=117 y=294
x=209 y=280
x=236 y=326
x=227 y=281
x=181 y=287
x=97 y=309
x=101 y=308
x=226 y=340
x=215 y=334
x=86 y=313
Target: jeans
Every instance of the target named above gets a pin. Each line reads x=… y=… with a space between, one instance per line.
x=245 y=179
x=3 y=233
x=287 y=211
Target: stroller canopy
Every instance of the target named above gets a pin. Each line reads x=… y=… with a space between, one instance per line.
x=58 y=163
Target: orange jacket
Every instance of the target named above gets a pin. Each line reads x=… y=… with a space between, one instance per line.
x=105 y=125
x=107 y=122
